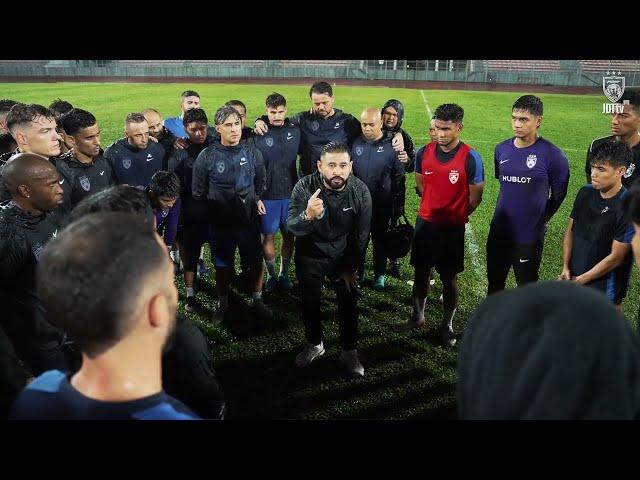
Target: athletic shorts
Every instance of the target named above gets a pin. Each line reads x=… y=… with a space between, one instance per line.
x=438 y=246
x=224 y=242
x=276 y=216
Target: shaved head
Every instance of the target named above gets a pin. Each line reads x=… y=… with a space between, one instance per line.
x=34 y=183
x=371 y=114
x=24 y=168
x=371 y=123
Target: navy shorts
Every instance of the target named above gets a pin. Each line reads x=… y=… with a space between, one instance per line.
x=224 y=242
x=276 y=216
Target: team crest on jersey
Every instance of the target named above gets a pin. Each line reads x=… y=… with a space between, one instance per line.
x=531 y=161
x=220 y=166
x=630 y=170
x=268 y=141
x=85 y=183
x=315 y=125
x=454 y=176
x=359 y=151
x=126 y=163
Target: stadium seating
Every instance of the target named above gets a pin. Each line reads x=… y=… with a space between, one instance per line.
x=601 y=66
x=521 y=65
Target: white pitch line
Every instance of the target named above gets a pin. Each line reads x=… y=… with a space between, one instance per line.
x=478 y=268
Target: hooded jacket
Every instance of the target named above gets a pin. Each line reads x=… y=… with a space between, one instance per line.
x=409 y=146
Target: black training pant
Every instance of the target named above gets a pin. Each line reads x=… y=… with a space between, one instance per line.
x=310 y=273
x=503 y=254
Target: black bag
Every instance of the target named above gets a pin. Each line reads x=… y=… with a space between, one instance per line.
x=398 y=238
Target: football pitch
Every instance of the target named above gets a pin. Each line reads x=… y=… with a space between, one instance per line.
x=408 y=375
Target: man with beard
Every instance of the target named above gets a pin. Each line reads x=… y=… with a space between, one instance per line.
x=121 y=316
x=83 y=171
x=159 y=133
x=188 y=100
x=27 y=223
x=33 y=127
x=330 y=214
x=134 y=159
x=321 y=125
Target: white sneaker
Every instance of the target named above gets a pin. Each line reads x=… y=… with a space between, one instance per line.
x=352 y=362
x=309 y=354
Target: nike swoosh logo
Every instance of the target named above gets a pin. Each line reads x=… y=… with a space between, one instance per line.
x=61 y=181
x=428 y=173
x=524 y=261
x=243 y=163
x=503 y=161
x=102 y=172
x=345 y=209
x=55 y=233
x=149 y=159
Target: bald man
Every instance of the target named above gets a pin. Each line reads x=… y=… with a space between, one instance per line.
x=376 y=163
x=159 y=133
x=33 y=127
x=27 y=223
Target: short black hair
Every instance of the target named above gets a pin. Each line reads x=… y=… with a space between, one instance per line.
x=276 y=100
x=611 y=152
x=101 y=284
x=189 y=93
x=529 y=103
x=236 y=103
x=194 y=115
x=60 y=107
x=632 y=95
x=118 y=198
x=77 y=119
x=449 y=112
x=165 y=184
x=7 y=143
x=21 y=114
x=321 y=88
x=335 y=147
x=6 y=104
x=135 y=117
x=224 y=112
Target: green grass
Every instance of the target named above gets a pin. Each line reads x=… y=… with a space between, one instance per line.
x=408 y=374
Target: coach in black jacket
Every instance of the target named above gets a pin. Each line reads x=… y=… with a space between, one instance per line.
x=330 y=214
x=230 y=176
x=376 y=163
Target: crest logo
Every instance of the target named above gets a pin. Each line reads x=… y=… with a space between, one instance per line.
x=220 y=166
x=315 y=125
x=380 y=149
x=613 y=86
x=630 y=170
x=269 y=141
x=531 y=161
x=85 y=183
x=359 y=150
x=126 y=163
x=454 y=176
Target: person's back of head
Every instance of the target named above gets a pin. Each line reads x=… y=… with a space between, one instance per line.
x=7 y=143
x=550 y=350
x=118 y=198
x=105 y=276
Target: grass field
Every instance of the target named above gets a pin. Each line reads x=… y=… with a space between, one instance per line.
x=408 y=374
